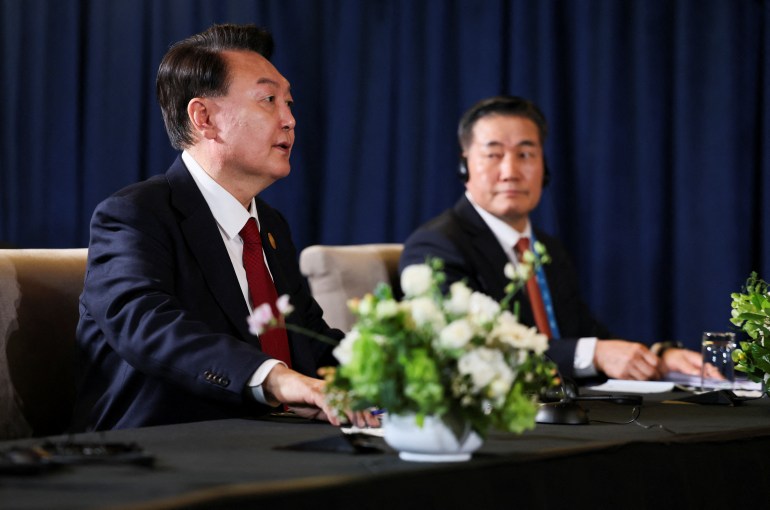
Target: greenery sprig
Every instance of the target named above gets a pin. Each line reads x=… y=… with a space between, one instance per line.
x=751 y=313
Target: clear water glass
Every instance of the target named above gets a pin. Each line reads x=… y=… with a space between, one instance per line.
x=718 y=370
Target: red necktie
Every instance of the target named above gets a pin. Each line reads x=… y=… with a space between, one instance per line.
x=533 y=292
x=262 y=290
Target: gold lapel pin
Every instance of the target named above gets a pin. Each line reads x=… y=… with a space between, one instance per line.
x=271 y=239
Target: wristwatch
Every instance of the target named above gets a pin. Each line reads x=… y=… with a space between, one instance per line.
x=659 y=348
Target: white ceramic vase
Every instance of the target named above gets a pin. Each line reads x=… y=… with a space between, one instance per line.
x=433 y=442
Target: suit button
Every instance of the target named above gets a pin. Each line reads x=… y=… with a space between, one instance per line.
x=225 y=381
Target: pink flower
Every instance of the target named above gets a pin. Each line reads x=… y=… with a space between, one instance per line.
x=283 y=305
x=261 y=317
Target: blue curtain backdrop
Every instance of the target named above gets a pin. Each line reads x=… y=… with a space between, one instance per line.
x=659 y=114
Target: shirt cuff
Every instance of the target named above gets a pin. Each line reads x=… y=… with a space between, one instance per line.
x=255 y=383
x=584 y=357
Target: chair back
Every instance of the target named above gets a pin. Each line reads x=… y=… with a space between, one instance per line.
x=39 y=292
x=337 y=274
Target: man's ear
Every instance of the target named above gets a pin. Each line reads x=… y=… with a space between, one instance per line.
x=199 y=113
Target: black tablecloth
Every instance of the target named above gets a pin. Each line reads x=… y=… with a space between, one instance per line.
x=672 y=455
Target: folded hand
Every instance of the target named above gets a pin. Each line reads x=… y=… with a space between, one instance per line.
x=621 y=359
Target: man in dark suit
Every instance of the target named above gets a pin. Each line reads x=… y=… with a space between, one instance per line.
x=503 y=167
x=163 y=336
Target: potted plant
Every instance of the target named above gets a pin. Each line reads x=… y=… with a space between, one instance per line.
x=751 y=313
x=443 y=368
x=446 y=367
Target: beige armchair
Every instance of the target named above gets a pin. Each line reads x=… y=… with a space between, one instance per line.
x=39 y=291
x=337 y=274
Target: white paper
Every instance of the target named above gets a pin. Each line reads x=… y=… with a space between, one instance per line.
x=741 y=383
x=623 y=386
x=369 y=431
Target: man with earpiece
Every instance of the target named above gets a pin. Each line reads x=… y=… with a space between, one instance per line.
x=503 y=166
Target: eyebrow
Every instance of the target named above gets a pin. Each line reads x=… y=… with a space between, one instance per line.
x=523 y=143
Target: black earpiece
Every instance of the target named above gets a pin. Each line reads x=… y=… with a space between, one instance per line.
x=462 y=169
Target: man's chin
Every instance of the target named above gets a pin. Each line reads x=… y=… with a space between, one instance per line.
x=512 y=211
x=516 y=217
x=279 y=172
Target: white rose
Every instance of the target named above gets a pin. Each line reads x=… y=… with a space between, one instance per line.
x=510 y=331
x=344 y=351
x=365 y=305
x=426 y=313
x=487 y=367
x=509 y=271
x=482 y=308
x=386 y=309
x=416 y=280
x=456 y=335
x=501 y=386
x=459 y=299
x=523 y=272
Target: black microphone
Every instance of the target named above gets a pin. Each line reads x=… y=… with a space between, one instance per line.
x=561 y=407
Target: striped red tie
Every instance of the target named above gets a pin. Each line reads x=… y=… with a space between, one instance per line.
x=262 y=290
x=533 y=292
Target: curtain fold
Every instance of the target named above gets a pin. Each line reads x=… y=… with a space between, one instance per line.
x=659 y=144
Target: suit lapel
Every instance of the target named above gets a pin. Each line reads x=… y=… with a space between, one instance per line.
x=484 y=250
x=489 y=257
x=205 y=242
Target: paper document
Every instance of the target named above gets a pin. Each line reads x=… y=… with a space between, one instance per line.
x=369 y=431
x=623 y=386
x=693 y=381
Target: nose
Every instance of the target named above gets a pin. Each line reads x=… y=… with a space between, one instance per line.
x=288 y=122
x=509 y=169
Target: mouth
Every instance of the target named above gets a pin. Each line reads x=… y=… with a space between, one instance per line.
x=284 y=147
x=513 y=192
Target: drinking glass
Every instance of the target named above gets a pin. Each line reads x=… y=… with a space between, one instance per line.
x=718 y=371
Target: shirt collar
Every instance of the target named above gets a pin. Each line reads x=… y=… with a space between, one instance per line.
x=227 y=210
x=506 y=235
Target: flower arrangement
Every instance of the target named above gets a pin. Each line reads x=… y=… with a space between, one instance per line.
x=751 y=313
x=462 y=357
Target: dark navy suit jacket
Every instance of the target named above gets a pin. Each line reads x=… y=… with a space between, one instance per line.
x=471 y=251
x=162 y=336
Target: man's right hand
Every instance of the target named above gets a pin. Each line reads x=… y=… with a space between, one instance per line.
x=621 y=359
x=305 y=396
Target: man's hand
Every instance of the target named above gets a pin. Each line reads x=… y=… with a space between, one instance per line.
x=621 y=359
x=687 y=362
x=305 y=396
x=681 y=360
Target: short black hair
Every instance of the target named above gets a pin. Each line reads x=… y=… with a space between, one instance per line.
x=500 y=105
x=194 y=67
